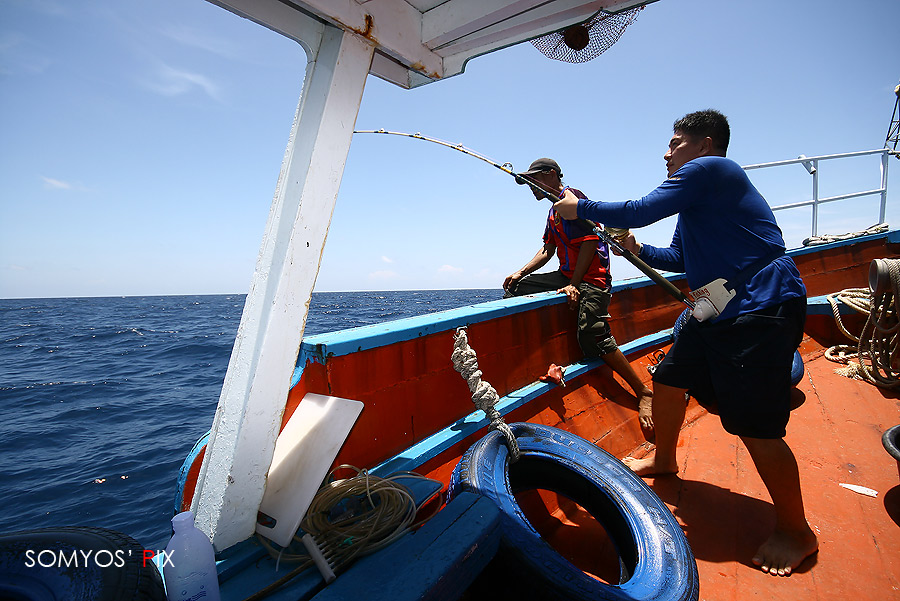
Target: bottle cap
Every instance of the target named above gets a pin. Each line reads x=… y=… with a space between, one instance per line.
x=183 y=519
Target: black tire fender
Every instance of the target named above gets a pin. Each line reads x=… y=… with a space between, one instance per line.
x=76 y=563
x=657 y=562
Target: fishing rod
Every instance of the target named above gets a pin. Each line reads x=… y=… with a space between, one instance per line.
x=505 y=167
x=645 y=269
x=520 y=178
x=552 y=196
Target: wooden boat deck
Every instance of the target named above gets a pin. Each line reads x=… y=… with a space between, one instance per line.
x=836 y=436
x=719 y=499
x=725 y=511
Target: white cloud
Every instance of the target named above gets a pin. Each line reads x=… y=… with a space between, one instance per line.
x=169 y=81
x=56 y=184
x=450 y=269
x=387 y=259
x=203 y=40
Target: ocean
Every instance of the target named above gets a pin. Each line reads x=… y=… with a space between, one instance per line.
x=102 y=398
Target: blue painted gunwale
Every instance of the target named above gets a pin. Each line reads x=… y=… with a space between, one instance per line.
x=317 y=348
x=320 y=347
x=335 y=344
x=893 y=237
x=819 y=305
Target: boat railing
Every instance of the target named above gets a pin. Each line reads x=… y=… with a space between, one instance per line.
x=812 y=166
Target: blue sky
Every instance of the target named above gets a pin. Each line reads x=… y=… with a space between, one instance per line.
x=140 y=141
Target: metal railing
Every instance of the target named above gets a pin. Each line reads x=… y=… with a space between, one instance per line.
x=812 y=166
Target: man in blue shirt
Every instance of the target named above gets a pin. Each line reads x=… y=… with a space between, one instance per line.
x=740 y=360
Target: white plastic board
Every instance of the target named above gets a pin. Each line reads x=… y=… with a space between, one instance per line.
x=304 y=451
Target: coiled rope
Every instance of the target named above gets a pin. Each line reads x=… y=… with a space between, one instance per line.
x=483 y=394
x=349 y=518
x=878 y=345
x=878 y=228
x=358 y=515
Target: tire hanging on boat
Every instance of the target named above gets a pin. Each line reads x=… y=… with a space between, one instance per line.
x=83 y=563
x=656 y=561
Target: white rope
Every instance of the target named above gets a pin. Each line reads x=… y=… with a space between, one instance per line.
x=484 y=395
x=878 y=228
x=856 y=298
x=878 y=345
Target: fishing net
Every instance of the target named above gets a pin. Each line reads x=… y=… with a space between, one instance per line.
x=893 y=136
x=588 y=40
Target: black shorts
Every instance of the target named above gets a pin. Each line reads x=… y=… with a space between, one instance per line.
x=742 y=365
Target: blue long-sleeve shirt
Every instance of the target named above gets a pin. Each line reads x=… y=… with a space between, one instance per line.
x=724 y=225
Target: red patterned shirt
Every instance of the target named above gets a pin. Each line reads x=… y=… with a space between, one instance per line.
x=568 y=237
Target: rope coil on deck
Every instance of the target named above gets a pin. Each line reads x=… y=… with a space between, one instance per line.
x=348 y=518
x=878 y=344
x=484 y=396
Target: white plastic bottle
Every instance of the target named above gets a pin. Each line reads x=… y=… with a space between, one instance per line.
x=190 y=563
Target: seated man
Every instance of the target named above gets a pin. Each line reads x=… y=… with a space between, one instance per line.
x=583 y=276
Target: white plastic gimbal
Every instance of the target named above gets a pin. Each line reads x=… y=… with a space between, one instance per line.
x=710 y=300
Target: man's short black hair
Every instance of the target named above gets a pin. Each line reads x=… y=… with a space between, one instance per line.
x=702 y=124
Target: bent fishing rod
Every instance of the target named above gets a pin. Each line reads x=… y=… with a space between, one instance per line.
x=552 y=196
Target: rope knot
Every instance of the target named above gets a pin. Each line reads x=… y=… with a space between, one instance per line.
x=484 y=396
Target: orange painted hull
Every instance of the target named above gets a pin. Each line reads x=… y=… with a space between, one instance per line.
x=411 y=390
x=419 y=416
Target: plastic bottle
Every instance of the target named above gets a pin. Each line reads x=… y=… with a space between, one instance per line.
x=190 y=566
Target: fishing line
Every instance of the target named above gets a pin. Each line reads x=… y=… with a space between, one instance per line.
x=552 y=196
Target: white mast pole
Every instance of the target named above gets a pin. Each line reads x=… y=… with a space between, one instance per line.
x=248 y=417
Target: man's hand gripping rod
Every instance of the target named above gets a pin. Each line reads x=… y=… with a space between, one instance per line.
x=629 y=256
x=645 y=269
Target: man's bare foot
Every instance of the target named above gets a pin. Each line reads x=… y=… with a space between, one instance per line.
x=645 y=411
x=784 y=551
x=649 y=467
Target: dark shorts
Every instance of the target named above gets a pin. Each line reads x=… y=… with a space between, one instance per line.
x=741 y=365
x=594 y=335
